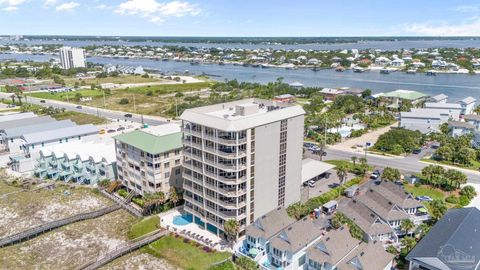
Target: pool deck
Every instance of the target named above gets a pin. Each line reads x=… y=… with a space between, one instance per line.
x=192 y=231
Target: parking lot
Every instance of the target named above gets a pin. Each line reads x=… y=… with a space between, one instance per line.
x=323 y=185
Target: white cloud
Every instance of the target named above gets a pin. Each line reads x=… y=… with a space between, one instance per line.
x=49 y=2
x=10 y=9
x=157 y=12
x=70 y=6
x=469 y=27
x=102 y=6
x=11 y=5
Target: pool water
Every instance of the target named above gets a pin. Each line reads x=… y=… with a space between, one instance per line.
x=181 y=220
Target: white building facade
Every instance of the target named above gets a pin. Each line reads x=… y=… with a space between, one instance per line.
x=72 y=58
x=242 y=160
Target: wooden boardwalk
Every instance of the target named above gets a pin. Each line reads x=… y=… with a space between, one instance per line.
x=33 y=232
x=122 y=203
x=123 y=250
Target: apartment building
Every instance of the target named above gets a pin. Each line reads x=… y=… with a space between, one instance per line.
x=72 y=57
x=149 y=160
x=242 y=160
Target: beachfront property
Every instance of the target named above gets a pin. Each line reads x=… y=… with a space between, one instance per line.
x=338 y=250
x=434 y=114
x=396 y=97
x=79 y=162
x=72 y=57
x=440 y=98
x=452 y=243
x=149 y=160
x=331 y=93
x=379 y=210
x=236 y=151
x=468 y=105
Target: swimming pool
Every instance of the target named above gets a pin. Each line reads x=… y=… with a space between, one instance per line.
x=181 y=220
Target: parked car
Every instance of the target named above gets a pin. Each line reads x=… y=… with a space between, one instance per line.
x=424 y=198
x=111 y=131
x=42 y=101
x=375 y=174
x=308 y=144
x=128 y=115
x=120 y=128
x=417 y=151
x=79 y=107
x=311 y=183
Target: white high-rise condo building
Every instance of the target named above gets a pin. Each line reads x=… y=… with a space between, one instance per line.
x=72 y=57
x=242 y=160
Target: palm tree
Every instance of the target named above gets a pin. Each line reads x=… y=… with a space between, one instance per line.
x=407 y=226
x=152 y=201
x=354 y=160
x=342 y=173
x=422 y=230
x=231 y=228
x=173 y=196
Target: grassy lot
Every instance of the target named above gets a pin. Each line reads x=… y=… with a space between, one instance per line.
x=143 y=227
x=425 y=191
x=80 y=118
x=116 y=80
x=184 y=255
x=149 y=100
x=475 y=165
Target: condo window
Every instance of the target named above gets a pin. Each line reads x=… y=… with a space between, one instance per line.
x=167 y=174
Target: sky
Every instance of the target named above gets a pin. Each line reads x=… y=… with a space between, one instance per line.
x=241 y=17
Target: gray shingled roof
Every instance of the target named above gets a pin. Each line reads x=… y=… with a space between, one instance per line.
x=17 y=132
x=383 y=207
x=457 y=233
x=396 y=194
x=296 y=236
x=270 y=224
x=56 y=134
x=333 y=247
x=434 y=105
x=25 y=122
x=371 y=256
x=365 y=218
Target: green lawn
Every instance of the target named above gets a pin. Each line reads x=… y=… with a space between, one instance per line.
x=144 y=226
x=80 y=118
x=184 y=255
x=346 y=163
x=425 y=190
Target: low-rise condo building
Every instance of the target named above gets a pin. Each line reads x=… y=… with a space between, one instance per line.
x=149 y=160
x=242 y=160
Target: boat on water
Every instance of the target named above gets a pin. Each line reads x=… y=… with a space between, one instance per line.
x=359 y=69
x=221 y=63
x=431 y=73
x=315 y=69
x=340 y=69
x=385 y=71
x=264 y=66
x=165 y=59
x=411 y=71
x=255 y=65
x=194 y=63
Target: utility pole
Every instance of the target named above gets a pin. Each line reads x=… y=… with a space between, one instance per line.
x=134 y=105
x=104 y=101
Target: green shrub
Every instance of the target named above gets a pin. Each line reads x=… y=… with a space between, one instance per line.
x=123 y=101
x=122 y=192
x=452 y=199
x=463 y=200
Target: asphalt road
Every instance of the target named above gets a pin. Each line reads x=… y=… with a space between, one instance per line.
x=406 y=165
x=154 y=121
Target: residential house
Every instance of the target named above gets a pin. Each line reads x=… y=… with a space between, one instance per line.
x=284 y=98
x=454 y=109
x=468 y=105
x=441 y=98
x=425 y=121
x=460 y=128
x=382 y=61
x=259 y=233
x=338 y=250
x=331 y=93
x=451 y=244
x=288 y=248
